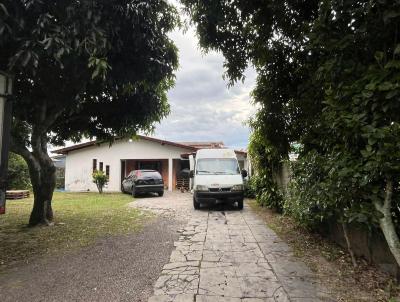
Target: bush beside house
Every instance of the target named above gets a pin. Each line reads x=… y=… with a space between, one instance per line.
x=18 y=173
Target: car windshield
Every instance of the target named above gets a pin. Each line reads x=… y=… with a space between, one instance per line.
x=148 y=174
x=226 y=166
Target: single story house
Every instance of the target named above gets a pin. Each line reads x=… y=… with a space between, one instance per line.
x=124 y=155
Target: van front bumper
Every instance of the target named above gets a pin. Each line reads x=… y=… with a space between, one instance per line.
x=214 y=197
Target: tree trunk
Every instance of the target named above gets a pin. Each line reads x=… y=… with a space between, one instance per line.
x=386 y=222
x=348 y=242
x=43 y=183
x=43 y=178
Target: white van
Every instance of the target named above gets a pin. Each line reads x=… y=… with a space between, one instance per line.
x=216 y=177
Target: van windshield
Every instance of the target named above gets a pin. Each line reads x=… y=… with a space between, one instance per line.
x=225 y=166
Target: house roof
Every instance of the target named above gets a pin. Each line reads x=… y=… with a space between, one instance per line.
x=191 y=146
x=204 y=145
x=93 y=143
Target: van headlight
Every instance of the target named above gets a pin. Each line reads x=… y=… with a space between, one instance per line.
x=237 y=188
x=201 y=188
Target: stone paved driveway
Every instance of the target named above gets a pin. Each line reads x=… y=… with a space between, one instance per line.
x=229 y=256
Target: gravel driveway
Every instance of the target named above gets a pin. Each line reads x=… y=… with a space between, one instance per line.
x=122 y=268
x=228 y=255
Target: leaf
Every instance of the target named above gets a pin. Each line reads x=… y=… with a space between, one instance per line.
x=364 y=153
x=367 y=94
x=26 y=59
x=48 y=42
x=4 y=9
x=385 y=86
x=390 y=14
x=60 y=52
x=371 y=141
x=393 y=64
x=96 y=72
x=392 y=94
x=379 y=56
x=397 y=49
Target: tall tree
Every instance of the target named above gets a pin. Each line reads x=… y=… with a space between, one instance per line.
x=93 y=68
x=328 y=77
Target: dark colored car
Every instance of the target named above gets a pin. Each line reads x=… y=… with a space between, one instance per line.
x=143 y=181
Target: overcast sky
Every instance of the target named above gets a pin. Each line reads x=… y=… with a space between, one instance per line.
x=203 y=108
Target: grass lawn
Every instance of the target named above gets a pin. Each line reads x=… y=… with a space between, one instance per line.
x=80 y=219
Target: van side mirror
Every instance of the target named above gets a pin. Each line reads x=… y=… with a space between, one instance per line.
x=191 y=174
x=244 y=173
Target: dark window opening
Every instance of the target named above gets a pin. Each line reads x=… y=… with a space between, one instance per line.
x=149 y=165
x=94 y=165
x=108 y=171
x=101 y=166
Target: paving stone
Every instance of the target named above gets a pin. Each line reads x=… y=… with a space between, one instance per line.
x=249 y=256
x=237 y=246
x=175 y=298
x=202 y=298
x=274 y=246
x=220 y=285
x=280 y=295
x=287 y=267
x=176 y=268
x=186 y=245
x=185 y=255
x=258 y=287
x=277 y=256
x=218 y=246
x=258 y=300
x=218 y=256
x=229 y=256
x=262 y=269
x=176 y=285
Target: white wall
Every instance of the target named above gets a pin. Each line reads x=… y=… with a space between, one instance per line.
x=78 y=165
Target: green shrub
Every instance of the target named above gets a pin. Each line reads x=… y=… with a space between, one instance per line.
x=267 y=192
x=249 y=191
x=18 y=173
x=100 y=179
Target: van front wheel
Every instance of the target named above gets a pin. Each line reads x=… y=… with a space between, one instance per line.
x=196 y=205
x=240 y=205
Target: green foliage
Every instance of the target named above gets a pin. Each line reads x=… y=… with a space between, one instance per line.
x=89 y=68
x=249 y=191
x=18 y=173
x=319 y=192
x=328 y=79
x=267 y=161
x=82 y=63
x=100 y=179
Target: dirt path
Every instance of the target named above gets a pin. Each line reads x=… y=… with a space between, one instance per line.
x=120 y=268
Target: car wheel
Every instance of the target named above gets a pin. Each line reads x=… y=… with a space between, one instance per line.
x=133 y=191
x=161 y=193
x=196 y=205
x=240 y=205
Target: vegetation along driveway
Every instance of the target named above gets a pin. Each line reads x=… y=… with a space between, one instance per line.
x=228 y=255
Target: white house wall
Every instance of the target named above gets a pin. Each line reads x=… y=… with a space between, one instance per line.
x=78 y=165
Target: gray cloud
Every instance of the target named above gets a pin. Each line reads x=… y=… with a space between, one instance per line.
x=203 y=108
